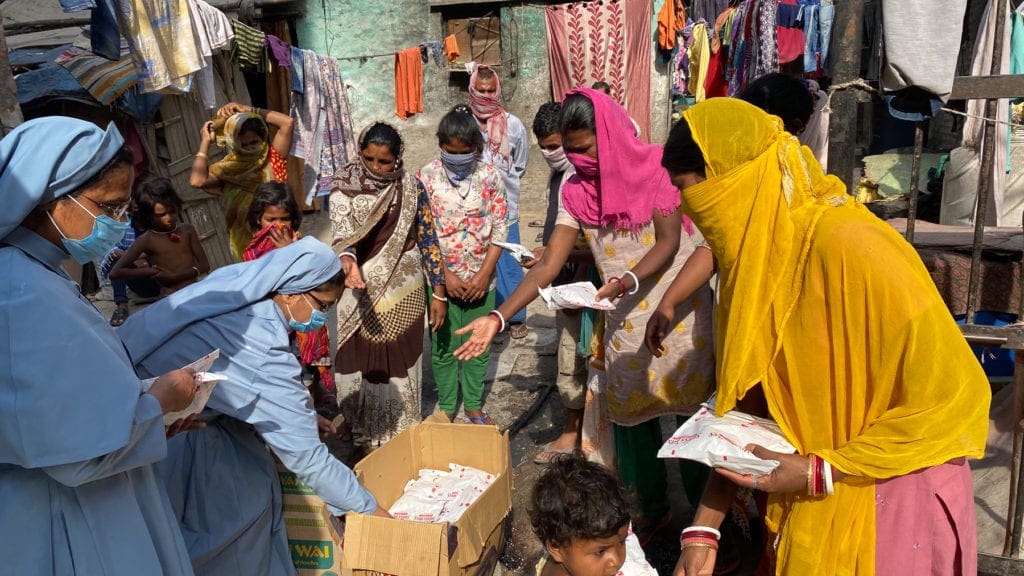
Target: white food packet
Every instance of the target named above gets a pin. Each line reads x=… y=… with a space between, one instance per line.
x=518 y=251
x=573 y=296
x=206 y=381
x=720 y=441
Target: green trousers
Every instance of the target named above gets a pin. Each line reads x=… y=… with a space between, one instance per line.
x=446 y=366
x=636 y=449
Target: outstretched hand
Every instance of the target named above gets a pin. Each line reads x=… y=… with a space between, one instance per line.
x=483 y=329
x=658 y=326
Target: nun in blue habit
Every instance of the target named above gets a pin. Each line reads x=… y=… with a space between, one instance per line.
x=78 y=435
x=222 y=480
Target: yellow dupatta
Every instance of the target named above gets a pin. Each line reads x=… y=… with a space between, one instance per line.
x=835 y=315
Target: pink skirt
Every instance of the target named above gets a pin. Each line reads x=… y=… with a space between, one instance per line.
x=925 y=523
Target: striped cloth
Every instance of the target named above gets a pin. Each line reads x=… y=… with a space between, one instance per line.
x=249 y=48
x=104 y=79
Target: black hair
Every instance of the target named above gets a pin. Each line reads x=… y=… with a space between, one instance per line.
x=382 y=134
x=578 y=114
x=256 y=126
x=151 y=191
x=602 y=86
x=123 y=157
x=273 y=194
x=486 y=73
x=548 y=120
x=576 y=499
x=460 y=124
x=681 y=153
x=782 y=95
x=334 y=282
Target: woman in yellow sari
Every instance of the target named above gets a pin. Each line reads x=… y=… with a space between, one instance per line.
x=250 y=161
x=829 y=323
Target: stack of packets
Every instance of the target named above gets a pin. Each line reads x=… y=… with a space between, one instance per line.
x=575 y=295
x=440 y=496
x=720 y=441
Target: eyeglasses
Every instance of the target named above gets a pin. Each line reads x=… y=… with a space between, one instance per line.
x=320 y=304
x=115 y=211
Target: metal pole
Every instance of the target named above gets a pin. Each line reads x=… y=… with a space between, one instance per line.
x=985 y=178
x=915 y=179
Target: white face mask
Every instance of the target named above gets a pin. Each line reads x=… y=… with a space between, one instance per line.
x=556 y=159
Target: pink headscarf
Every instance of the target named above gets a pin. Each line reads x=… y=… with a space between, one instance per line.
x=490 y=109
x=631 y=183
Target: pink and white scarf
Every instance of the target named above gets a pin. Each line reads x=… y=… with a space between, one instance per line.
x=490 y=109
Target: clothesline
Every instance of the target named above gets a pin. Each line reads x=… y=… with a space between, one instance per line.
x=394 y=53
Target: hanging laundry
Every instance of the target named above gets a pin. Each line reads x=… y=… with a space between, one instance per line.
x=339 y=145
x=161 y=42
x=213 y=32
x=917 y=74
x=707 y=9
x=249 y=48
x=297 y=70
x=408 y=83
x=699 y=55
x=790 y=35
x=282 y=52
x=103 y=32
x=306 y=111
x=671 y=20
x=436 y=50
x=767 y=39
x=102 y=79
x=816 y=20
x=451 y=48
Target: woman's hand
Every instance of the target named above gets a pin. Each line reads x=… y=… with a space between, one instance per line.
x=438 y=311
x=477 y=286
x=609 y=291
x=484 y=330
x=175 y=389
x=206 y=133
x=282 y=237
x=696 y=561
x=658 y=326
x=232 y=108
x=538 y=253
x=454 y=285
x=789 y=476
x=353 y=277
x=325 y=427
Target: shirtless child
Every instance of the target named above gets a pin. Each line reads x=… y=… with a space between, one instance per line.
x=170 y=251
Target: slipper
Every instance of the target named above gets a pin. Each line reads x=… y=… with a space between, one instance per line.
x=119 y=316
x=518 y=330
x=536 y=224
x=484 y=420
x=549 y=454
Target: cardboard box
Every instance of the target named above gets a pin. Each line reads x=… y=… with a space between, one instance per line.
x=402 y=548
x=314 y=542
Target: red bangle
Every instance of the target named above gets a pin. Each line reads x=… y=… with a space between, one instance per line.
x=622 y=286
x=699 y=534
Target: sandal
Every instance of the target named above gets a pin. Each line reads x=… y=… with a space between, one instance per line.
x=536 y=224
x=518 y=330
x=484 y=420
x=119 y=316
x=549 y=454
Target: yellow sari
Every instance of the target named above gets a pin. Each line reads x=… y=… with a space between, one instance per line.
x=835 y=315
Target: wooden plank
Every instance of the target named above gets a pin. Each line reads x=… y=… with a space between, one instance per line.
x=992 y=565
x=983 y=87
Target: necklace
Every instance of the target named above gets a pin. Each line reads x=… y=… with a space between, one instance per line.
x=172 y=234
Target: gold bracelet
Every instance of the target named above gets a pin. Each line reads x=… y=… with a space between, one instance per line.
x=201 y=155
x=698 y=545
x=810 y=476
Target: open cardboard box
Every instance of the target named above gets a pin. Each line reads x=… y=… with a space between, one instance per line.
x=402 y=548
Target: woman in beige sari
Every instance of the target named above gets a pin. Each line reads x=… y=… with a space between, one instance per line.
x=384 y=229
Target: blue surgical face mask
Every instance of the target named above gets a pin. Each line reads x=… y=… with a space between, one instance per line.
x=316 y=321
x=458 y=166
x=106 y=233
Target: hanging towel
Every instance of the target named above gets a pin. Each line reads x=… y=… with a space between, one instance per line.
x=408 y=83
x=451 y=48
x=160 y=40
x=213 y=32
x=282 y=52
x=298 y=79
x=103 y=79
x=671 y=20
x=249 y=48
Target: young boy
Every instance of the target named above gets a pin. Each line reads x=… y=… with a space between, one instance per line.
x=172 y=248
x=580 y=515
x=572 y=368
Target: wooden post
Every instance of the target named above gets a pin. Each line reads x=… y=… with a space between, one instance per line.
x=845 y=57
x=10 y=110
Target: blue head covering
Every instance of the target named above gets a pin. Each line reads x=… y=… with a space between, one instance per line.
x=294 y=269
x=50 y=157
